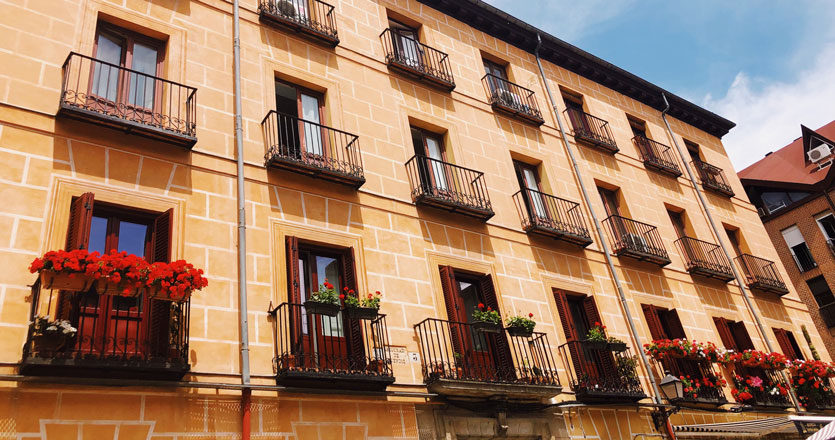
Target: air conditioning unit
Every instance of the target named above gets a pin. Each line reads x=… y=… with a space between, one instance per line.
x=635 y=242
x=819 y=153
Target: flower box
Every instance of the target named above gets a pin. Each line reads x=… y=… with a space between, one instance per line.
x=360 y=312
x=617 y=347
x=487 y=327
x=118 y=289
x=165 y=295
x=516 y=330
x=596 y=345
x=49 y=343
x=319 y=308
x=71 y=282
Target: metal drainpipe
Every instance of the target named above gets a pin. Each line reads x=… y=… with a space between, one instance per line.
x=598 y=227
x=738 y=277
x=246 y=392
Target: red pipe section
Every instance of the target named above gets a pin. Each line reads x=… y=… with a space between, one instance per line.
x=246 y=412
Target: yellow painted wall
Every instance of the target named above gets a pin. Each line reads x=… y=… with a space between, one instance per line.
x=41 y=156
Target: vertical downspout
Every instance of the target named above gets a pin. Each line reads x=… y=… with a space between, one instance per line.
x=246 y=393
x=738 y=277
x=598 y=227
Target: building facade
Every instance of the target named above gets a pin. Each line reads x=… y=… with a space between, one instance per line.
x=407 y=147
x=792 y=190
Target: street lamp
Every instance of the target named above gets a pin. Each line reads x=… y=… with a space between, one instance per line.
x=673 y=390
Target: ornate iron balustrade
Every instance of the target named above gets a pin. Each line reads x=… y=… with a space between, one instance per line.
x=457 y=351
x=705 y=259
x=116 y=337
x=769 y=378
x=697 y=370
x=316 y=350
x=761 y=274
x=713 y=178
x=599 y=372
x=417 y=59
x=636 y=240
x=314 y=19
x=309 y=148
x=117 y=97
x=591 y=129
x=449 y=187
x=512 y=99
x=552 y=216
x=828 y=314
x=656 y=156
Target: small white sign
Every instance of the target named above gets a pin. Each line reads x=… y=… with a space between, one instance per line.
x=414 y=357
x=398 y=355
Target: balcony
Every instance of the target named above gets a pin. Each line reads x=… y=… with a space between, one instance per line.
x=696 y=370
x=637 y=240
x=713 y=178
x=599 y=374
x=449 y=187
x=549 y=216
x=512 y=99
x=656 y=156
x=330 y=352
x=312 y=19
x=119 y=343
x=127 y=100
x=828 y=314
x=417 y=60
x=705 y=259
x=312 y=149
x=460 y=361
x=761 y=274
x=763 y=398
x=592 y=130
x=820 y=401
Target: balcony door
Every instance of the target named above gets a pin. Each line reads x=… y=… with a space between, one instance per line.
x=482 y=356
x=578 y=314
x=577 y=115
x=665 y=324
x=498 y=81
x=112 y=325
x=434 y=174
x=535 y=200
x=300 y=114
x=124 y=75
x=406 y=45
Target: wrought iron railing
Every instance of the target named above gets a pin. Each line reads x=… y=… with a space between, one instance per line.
x=828 y=314
x=830 y=243
x=713 y=178
x=598 y=371
x=112 y=333
x=820 y=398
x=114 y=92
x=591 y=129
x=309 y=15
x=772 y=384
x=511 y=97
x=310 y=344
x=656 y=155
x=552 y=215
x=635 y=239
x=458 y=351
x=404 y=52
x=309 y=147
x=803 y=258
x=704 y=258
x=693 y=370
x=441 y=183
x=761 y=274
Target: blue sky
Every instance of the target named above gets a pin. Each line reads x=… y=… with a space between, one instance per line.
x=766 y=65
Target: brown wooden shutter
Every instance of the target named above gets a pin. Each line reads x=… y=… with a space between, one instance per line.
x=356 y=346
x=725 y=333
x=783 y=341
x=674 y=324
x=656 y=330
x=793 y=342
x=453 y=308
x=159 y=320
x=78 y=237
x=291 y=248
x=568 y=325
x=741 y=336
x=604 y=359
x=503 y=356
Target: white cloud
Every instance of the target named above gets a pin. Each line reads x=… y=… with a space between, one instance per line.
x=768 y=115
x=569 y=20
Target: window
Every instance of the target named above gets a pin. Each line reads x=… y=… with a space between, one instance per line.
x=639 y=127
x=406 y=43
x=663 y=323
x=827 y=224
x=529 y=182
x=495 y=69
x=578 y=314
x=111 y=323
x=733 y=237
x=821 y=291
x=799 y=249
x=611 y=204
x=118 y=48
x=693 y=150
x=733 y=334
x=677 y=219
x=300 y=120
x=429 y=147
x=788 y=345
x=776 y=200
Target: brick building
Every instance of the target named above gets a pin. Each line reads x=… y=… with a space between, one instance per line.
x=792 y=190
x=412 y=147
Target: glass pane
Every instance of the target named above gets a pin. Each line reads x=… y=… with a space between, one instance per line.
x=433 y=150
x=536 y=199
x=327 y=267
x=303 y=290
x=408 y=47
x=142 y=87
x=98 y=235
x=312 y=133
x=106 y=77
x=469 y=293
x=132 y=238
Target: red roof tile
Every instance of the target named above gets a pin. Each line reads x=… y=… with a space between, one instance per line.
x=788 y=164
